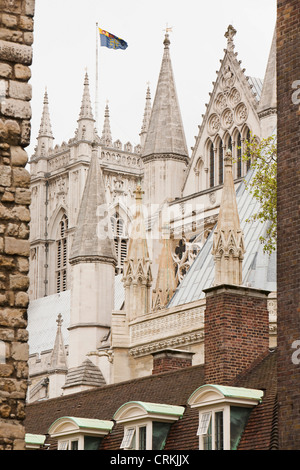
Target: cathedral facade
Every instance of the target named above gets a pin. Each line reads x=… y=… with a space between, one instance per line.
x=125 y=240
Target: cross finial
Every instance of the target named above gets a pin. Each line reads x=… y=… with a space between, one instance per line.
x=230 y=33
x=59 y=320
x=168 y=29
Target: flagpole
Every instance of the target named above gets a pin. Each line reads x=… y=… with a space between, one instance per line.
x=97 y=78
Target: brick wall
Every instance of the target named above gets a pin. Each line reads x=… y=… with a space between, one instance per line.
x=16 y=38
x=236 y=331
x=288 y=205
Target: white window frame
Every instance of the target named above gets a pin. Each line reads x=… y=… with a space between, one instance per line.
x=226 y=427
x=134 y=440
x=210 y=399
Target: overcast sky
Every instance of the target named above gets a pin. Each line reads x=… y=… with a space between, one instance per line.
x=65 y=46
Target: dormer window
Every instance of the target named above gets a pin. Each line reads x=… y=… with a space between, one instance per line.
x=146 y=425
x=223 y=414
x=79 y=433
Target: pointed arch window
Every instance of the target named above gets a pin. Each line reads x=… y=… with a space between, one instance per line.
x=239 y=156
x=211 y=165
x=221 y=161
x=120 y=239
x=62 y=255
x=248 y=162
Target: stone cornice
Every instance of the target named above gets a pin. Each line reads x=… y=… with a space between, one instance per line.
x=165 y=156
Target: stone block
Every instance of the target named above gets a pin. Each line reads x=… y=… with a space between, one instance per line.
x=5 y=70
x=21 y=177
x=13 y=246
x=15 y=108
x=19 y=156
x=13 y=52
x=22 y=72
x=20 y=90
x=5 y=175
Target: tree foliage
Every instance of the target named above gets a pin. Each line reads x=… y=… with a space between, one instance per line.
x=263 y=185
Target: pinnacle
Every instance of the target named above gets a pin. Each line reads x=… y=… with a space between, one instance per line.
x=45 y=127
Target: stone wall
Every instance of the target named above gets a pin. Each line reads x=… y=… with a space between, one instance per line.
x=288 y=207
x=16 y=38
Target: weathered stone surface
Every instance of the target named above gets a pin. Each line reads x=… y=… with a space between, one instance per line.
x=17 y=53
x=14 y=246
x=18 y=156
x=5 y=175
x=5 y=70
x=19 y=109
x=22 y=72
x=20 y=90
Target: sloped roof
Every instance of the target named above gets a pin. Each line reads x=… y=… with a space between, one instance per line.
x=173 y=388
x=259 y=269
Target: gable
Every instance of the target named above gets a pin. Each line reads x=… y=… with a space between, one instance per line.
x=231 y=110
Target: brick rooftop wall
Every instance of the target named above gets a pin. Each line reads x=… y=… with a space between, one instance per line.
x=16 y=38
x=288 y=206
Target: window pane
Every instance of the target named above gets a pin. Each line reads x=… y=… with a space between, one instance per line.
x=219 y=430
x=92 y=442
x=207 y=438
x=127 y=442
x=142 y=438
x=238 y=419
x=159 y=434
x=204 y=423
x=74 y=445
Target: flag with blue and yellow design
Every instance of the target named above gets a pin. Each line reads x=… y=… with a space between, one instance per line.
x=111 y=41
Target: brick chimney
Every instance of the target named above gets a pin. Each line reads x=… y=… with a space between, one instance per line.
x=171 y=359
x=236 y=331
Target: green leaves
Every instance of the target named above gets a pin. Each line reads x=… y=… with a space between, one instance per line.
x=263 y=185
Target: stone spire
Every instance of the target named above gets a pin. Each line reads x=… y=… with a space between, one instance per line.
x=228 y=243
x=146 y=119
x=165 y=132
x=45 y=137
x=165 y=282
x=86 y=121
x=137 y=275
x=164 y=154
x=92 y=240
x=58 y=358
x=267 y=108
x=106 y=132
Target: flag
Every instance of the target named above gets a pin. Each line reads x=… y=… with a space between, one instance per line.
x=111 y=41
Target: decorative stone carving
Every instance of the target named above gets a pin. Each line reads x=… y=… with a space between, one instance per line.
x=228 y=78
x=234 y=97
x=241 y=113
x=227 y=118
x=220 y=103
x=214 y=124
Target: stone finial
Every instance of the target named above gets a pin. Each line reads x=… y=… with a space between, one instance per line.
x=106 y=132
x=228 y=243
x=58 y=358
x=229 y=35
x=146 y=118
x=45 y=127
x=166 y=280
x=86 y=107
x=137 y=274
